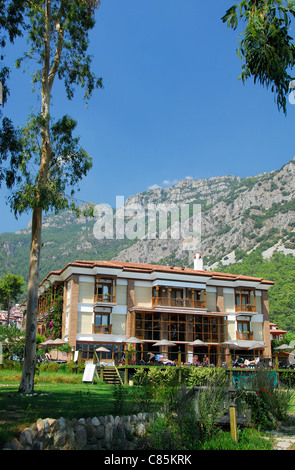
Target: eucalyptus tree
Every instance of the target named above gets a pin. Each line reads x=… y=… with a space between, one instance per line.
x=50 y=159
x=11 y=27
x=266 y=46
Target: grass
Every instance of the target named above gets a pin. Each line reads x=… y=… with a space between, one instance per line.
x=63 y=394
x=55 y=395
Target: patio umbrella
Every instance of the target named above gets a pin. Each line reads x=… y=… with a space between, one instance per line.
x=198 y=342
x=285 y=347
x=58 y=341
x=49 y=342
x=132 y=339
x=230 y=344
x=164 y=342
x=53 y=342
x=101 y=349
x=257 y=346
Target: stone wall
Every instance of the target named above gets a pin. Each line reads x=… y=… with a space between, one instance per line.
x=98 y=433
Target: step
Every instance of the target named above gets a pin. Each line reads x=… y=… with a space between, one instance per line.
x=111 y=376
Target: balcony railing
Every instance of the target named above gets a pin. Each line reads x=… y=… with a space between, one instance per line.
x=105 y=298
x=102 y=329
x=246 y=308
x=248 y=335
x=178 y=302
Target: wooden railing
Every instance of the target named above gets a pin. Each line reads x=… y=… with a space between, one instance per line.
x=245 y=335
x=245 y=308
x=105 y=298
x=102 y=329
x=168 y=302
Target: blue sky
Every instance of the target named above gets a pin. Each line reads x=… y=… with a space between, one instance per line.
x=172 y=106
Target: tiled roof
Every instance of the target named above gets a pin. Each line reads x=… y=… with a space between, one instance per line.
x=149 y=268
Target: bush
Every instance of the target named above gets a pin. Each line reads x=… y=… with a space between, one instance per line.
x=248 y=439
x=12 y=365
x=212 y=402
x=170 y=431
x=48 y=367
x=268 y=404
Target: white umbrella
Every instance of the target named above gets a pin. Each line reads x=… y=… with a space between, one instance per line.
x=58 y=341
x=198 y=342
x=164 y=342
x=101 y=349
x=132 y=339
x=285 y=347
x=47 y=343
x=257 y=346
x=230 y=344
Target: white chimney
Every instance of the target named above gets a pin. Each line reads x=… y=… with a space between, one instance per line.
x=198 y=262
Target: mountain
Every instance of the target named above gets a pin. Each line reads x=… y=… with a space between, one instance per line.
x=238 y=215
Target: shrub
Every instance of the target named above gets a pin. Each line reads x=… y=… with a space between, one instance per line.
x=12 y=365
x=211 y=403
x=169 y=431
x=248 y=439
x=269 y=404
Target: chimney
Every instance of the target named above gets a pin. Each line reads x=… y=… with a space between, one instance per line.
x=198 y=262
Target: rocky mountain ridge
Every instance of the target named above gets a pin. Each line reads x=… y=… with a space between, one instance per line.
x=237 y=215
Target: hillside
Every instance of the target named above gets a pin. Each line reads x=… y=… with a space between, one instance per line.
x=279 y=268
x=239 y=216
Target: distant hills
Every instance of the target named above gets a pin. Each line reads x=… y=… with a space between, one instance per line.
x=240 y=216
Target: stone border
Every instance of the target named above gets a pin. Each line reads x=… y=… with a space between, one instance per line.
x=97 y=433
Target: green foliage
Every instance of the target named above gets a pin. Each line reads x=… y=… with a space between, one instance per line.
x=69 y=162
x=120 y=393
x=11 y=22
x=279 y=268
x=266 y=47
x=53 y=314
x=172 y=432
x=12 y=340
x=248 y=439
x=212 y=403
x=11 y=288
x=269 y=405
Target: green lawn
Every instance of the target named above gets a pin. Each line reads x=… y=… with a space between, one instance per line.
x=58 y=395
x=51 y=400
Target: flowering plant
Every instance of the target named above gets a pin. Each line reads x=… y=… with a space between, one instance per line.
x=53 y=315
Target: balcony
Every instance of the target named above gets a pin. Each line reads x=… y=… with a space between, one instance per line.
x=102 y=329
x=105 y=299
x=178 y=302
x=245 y=335
x=245 y=308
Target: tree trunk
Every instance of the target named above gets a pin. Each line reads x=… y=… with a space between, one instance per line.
x=27 y=380
x=29 y=365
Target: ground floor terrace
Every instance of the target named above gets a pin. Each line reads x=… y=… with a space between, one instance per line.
x=147 y=353
x=172 y=337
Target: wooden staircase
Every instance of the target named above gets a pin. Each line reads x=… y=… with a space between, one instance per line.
x=110 y=375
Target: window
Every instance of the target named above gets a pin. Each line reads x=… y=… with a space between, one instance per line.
x=148 y=326
x=104 y=290
x=243 y=330
x=101 y=322
x=245 y=300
